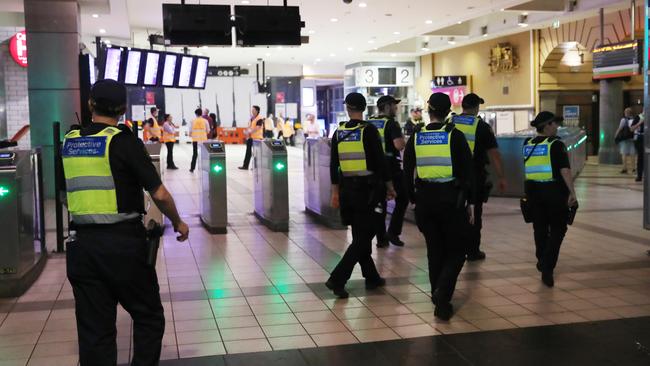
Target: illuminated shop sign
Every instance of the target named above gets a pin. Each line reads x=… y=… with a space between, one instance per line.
x=18 y=48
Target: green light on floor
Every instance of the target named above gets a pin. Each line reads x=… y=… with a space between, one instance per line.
x=4 y=191
x=280 y=166
x=217 y=168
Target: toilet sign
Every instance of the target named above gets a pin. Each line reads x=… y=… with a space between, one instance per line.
x=18 y=48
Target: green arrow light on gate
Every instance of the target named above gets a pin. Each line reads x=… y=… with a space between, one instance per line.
x=279 y=166
x=4 y=191
x=217 y=168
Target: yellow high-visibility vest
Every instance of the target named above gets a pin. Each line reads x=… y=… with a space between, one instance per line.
x=199 y=129
x=538 y=167
x=259 y=134
x=90 y=187
x=380 y=123
x=433 y=155
x=352 y=155
x=467 y=125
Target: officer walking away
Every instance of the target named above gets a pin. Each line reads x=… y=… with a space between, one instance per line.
x=549 y=189
x=200 y=131
x=106 y=169
x=482 y=143
x=358 y=167
x=439 y=167
x=255 y=132
x=393 y=143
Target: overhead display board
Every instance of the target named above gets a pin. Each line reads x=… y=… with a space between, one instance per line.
x=151 y=69
x=616 y=60
x=185 y=72
x=132 y=74
x=112 y=64
x=201 y=73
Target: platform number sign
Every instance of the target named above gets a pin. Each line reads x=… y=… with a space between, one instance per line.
x=405 y=76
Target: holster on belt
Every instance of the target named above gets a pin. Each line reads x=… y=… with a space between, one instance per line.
x=153 y=235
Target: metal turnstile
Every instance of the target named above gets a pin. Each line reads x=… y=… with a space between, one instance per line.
x=271 y=184
x=318 y=186
x=22 y=221
x=511 y=148
x=213 y=200
x=153 y=213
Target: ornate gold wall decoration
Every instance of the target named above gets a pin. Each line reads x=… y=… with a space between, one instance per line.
x=503 y=58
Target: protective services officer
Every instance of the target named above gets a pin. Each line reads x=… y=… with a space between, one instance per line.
x=439 y=167
x=106 y=168
x=393 y=143
x=549 y=189
x=200 y=131
x=255 y=132
x=483 y=143
x=358 y=167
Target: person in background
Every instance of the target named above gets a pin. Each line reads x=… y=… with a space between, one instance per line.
x=200 y=131
x=279 y=125
x=549 y=189
x=169 y=139
x=413 y=122
x=638 y=127
x=483 y=143
x=626 y=144
x=215 y=125
x=255 y=132
x=312 y=129
x=268 y=127
x=152 y=131
x=288 y=132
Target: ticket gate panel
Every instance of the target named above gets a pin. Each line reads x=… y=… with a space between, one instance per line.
x=153 y=212
x=318 y=187
x=213 y=200
x=22 y=250
x=271 y=192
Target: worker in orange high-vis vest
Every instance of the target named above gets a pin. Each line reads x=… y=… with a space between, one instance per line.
x=255 y=132
x=169 y=139
x=152 y=130
x=200 y=130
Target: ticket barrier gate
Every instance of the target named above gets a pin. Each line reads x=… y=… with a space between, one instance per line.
x=318 y=186
x=22 y=221
x=271 y=191
x=213 y=200
x=153 y=213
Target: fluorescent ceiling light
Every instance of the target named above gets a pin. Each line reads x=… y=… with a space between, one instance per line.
x=428 y=22
x=95 y=15
x=334 y=20
x=363 y=5
x=102 y=31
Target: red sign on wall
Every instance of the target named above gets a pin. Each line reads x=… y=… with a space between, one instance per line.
x=150 y=97
x=456 y=94
x=279 y=97
x=18 y=48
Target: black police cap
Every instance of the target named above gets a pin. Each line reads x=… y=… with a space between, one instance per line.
x=109 y=93
x=472 y=100
x=356 y=101
x=387 y=99
x=439 y=102
x=545 y=117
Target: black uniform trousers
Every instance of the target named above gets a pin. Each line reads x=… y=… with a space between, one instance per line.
x=638 y=144
x=399 y=210
x=195 y=154
x=358 y=199
x=445 y=227
x=107 y=266
x=550 y=211
x=249 y=153
x=170 y=154
x=474 y=245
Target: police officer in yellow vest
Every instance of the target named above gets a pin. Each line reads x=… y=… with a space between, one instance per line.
x=438 y=164
x=483 y=144
x=200 y=131
x=549 y=189
x=393 y=143
x=255 y=132
x=358 y=167
x=106 y=169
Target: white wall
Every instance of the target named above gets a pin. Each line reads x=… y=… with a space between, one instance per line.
x=218 y=89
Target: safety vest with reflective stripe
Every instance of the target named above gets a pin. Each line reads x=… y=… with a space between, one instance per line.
x=259 y=134
x=538 y=167
x=352 y=155
x=467 y=124
x=89 y=181
x=168 y=136
x=380 y=123
x=154 y=129
x=199 y=129
x=433 y=155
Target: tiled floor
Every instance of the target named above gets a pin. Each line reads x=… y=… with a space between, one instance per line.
x=255 y=290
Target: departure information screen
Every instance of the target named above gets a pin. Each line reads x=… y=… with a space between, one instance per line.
x=91 y=67
x=132 y=67
x=616 y=60
x=112 y=68
x=169 y=70
x=151 y=68
x=186 y=72
x=201 y=73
